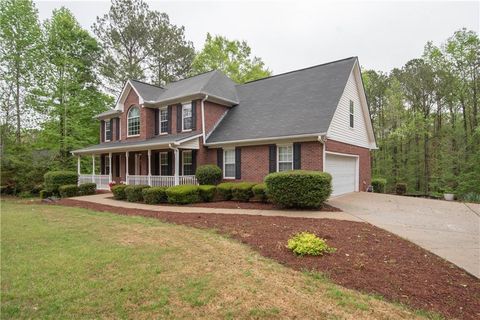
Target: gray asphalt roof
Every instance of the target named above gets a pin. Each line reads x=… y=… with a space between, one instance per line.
x=294 y=103
x=108 y=113
x=158 y=140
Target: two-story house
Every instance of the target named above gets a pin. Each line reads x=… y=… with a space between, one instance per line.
x=315 y=119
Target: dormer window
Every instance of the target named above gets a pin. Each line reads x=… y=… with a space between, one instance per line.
x=187 y=117
x=108 y=130
x=133 y=122
x=351 y=114
x=163 y=121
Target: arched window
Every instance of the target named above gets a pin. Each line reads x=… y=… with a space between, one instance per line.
x=133 y=121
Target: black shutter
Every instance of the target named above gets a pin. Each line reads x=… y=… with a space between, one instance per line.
x=194 y=161
x=238 y=163
x=297 y=156
x=102 y=164
x=179 y=118
x=272 y=158
x=180 y=165
x=102 y=131
x=117 y=166
x=194 y=115
x=220 y=158
x=170 y=163
x=156 y=164
x=117 y=129
x=169 y=117
x=157 y=112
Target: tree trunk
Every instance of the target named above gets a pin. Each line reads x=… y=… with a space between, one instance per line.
x=17 y=103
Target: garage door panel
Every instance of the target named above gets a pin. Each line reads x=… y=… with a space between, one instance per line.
x=343 y=170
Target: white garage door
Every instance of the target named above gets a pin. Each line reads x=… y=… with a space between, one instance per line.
x=343 y=170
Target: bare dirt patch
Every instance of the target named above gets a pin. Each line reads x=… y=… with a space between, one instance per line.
x=368 y=258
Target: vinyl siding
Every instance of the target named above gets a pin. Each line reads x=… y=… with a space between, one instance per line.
x=339 y=129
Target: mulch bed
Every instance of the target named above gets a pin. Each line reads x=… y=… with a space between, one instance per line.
x=368 y=259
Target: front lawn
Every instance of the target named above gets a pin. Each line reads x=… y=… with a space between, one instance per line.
x=60 y=262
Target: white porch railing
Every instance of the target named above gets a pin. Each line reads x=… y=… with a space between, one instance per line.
x=101 y=180
x=187 y=180
x=160 y=181
x=137 y=179
x=163 y=181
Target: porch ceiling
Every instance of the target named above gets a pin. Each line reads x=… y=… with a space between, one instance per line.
x=186 y=140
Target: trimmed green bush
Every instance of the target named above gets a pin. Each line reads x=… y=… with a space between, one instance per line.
x=183 y=194
x=242 y=191
x=208 y=174
x=379 y=185
x=305 y=243
x=55 y=179
x=134 y=193
x=69 y=190
x=299 y=188
x=119 y=191
x=224 y=190
x=154 y=195
x=401 y=189
x=207 y=192
x=44 y=194
x=86 y=189
x=260 y=192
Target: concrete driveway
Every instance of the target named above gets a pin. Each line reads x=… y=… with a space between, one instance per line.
x=448 y=229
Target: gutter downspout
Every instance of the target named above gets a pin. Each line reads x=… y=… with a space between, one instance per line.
x=323 y=140
x=177 y=165
x=203 y=118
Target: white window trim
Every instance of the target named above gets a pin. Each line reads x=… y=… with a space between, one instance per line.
x=183 y=160
x=160 y=161
x=160 y=120
x=351 y=113
x=278 y=154
x=139 y=127
x=105 y=130
x=225 y=163
x=191 y=115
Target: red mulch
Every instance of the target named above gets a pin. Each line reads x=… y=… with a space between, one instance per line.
x=368 y=258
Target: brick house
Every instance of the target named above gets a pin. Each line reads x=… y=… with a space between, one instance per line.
x=315 y=119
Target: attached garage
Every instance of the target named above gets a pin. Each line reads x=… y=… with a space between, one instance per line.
x=344 y=171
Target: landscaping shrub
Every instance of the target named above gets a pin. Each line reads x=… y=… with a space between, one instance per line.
x=184 y=194
x=299 y=188
x=69 y=190
x=207 y=192
x=224 y=190
x=471 y=197
x=119 y=191
x=55 y=179
x=305 y=243
x=154 y=195
x=401 y=189
x=134 y=192
x=208 y=174
x=260 y=192
x=86 y=189
x=242 y=191
x=44 y=194
x=379 y=184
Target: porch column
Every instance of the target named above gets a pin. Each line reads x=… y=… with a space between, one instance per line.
x=110 y=175
x=93 y=168
x=126 y=167
x=149 y=167
x=177 y=167
x=78 y=168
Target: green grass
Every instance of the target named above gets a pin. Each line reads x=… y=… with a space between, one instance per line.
x=61 y=263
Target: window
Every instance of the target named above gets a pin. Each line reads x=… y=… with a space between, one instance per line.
x=106 y=165
x=351 y=114
x=164 y=164
x=285 y=158
x=229 y=163
x=187 y=117
x=108 y=130
x=133 y=120
x=163 y=121
x=187 y=163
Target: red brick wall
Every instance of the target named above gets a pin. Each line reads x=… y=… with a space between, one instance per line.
x=213 y=112
x=312 y=156
x=364 y=156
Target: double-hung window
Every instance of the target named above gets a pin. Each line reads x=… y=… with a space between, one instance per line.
x=187 y=117
x=164 y=164
x=133 y=122
x=187 y=163
x=229 y=163
x=285 y=158
x=351 y=113
x=163 y=121
x=108 y=130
